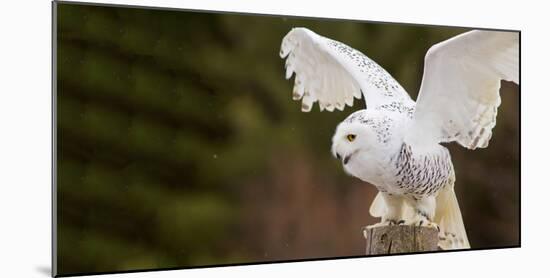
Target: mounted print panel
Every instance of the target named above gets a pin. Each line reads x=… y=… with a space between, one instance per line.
x=189 y=139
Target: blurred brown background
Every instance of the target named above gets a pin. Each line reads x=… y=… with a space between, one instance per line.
x=178 y=143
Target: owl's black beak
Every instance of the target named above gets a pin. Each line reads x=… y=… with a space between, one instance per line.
x=346 y=159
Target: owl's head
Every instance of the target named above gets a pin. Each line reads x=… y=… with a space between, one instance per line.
x=362 y=133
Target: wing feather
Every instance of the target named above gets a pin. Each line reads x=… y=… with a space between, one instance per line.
x=333 y=74
x=459 y=95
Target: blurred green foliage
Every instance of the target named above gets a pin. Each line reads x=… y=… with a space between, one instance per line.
x=178 y=143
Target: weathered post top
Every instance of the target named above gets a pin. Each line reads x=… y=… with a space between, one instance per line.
x=400 y=239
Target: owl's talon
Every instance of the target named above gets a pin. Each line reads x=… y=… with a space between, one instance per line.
x=370 y=227
x=422 y=222
x=382 y=224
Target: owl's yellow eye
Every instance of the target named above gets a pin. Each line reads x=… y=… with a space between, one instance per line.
x=351 y=137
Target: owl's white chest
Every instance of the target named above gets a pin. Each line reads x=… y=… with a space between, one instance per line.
x=402 y=172
x=372 y=168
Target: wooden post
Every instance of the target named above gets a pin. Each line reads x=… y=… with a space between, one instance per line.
x=400 y=239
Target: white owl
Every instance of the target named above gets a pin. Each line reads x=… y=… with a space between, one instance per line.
x=394 y=144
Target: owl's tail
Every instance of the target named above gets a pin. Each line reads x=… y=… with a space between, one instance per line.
x=449 y=218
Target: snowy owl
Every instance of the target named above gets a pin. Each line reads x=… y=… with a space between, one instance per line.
x=394 y=144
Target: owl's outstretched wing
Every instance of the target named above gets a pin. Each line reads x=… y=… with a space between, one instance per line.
x=333 y=73
x=459 y=95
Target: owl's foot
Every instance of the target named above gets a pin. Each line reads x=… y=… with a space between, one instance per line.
x=423 y=221
x=429 y=224
x=381 y=224
x=387 y=222
x=384 y=223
